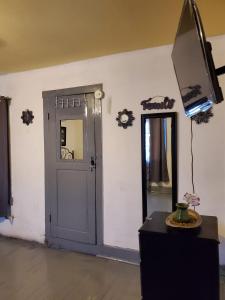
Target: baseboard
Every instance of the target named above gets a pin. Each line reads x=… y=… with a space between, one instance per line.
x=127 y=255
x=106 y=251
x=123 y=254
x=58 y=243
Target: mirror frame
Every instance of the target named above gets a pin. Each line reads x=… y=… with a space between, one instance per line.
x=173 y=116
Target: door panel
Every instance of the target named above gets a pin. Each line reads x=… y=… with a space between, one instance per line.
x=72 y=177
x=68 y=216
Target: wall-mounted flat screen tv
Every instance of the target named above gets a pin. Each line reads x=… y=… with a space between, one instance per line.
x=193 y=63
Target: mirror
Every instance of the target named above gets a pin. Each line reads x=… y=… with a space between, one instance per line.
x=71 y=136
x=159 y=162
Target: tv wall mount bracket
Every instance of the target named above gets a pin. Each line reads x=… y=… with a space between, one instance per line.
x=220 y=71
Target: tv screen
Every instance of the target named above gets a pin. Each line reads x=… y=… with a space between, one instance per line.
x=193 y=63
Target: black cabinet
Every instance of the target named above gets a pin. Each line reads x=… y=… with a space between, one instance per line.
x=178 y=264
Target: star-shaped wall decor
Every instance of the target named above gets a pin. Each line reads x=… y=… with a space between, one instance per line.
x=27 y=117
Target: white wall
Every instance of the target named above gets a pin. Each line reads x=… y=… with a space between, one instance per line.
x=127 y=79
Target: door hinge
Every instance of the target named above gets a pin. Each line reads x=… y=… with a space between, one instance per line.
x=50 y=218
x=48 y=116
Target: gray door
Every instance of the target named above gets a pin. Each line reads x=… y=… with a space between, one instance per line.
x=70 y=160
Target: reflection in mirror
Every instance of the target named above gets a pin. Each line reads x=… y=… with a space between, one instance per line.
x=158 y=167
x=71 y=135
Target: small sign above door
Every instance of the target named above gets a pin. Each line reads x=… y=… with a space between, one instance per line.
x=166 y=103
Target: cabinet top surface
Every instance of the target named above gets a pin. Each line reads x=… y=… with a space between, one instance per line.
x=156 y=224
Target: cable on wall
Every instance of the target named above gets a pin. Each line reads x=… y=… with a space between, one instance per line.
x=192 y=159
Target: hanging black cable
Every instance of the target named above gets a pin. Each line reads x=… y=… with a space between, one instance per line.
x=192 y=159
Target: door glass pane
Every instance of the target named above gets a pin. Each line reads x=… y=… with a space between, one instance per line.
x=72 y=139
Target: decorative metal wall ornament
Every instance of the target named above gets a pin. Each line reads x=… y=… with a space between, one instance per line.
x=125 y=118
x=203 y=117
x=27 y=117
x=167 y=103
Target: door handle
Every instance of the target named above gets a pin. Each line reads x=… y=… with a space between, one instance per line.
x=92 y=164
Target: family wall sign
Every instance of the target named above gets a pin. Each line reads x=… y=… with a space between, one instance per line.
x=164 y=103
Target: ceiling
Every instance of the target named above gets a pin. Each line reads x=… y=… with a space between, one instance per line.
x=40 y=33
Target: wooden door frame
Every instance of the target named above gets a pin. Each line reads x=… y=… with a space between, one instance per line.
x=57 y=242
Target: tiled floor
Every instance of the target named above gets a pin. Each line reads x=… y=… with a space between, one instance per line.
x=32 y=272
